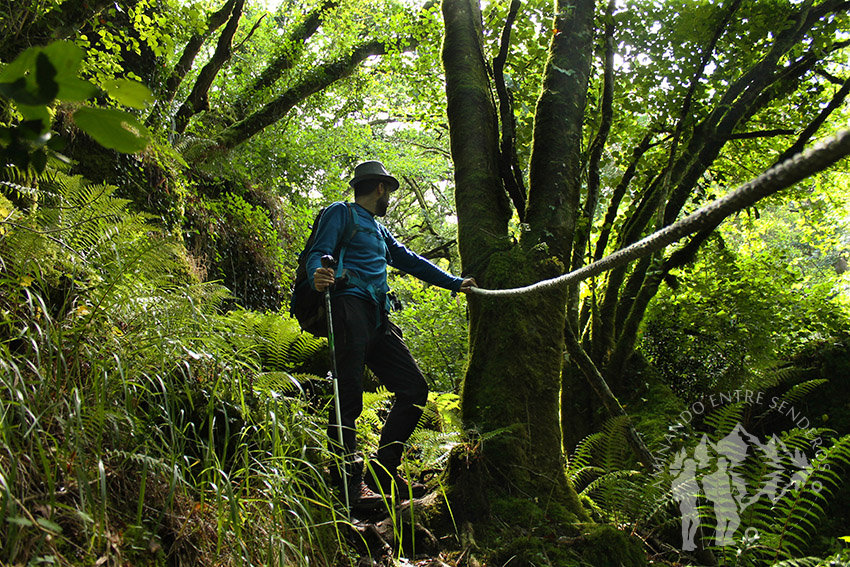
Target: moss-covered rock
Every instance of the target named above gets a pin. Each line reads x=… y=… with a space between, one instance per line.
x=546 y=541
x=604 y=545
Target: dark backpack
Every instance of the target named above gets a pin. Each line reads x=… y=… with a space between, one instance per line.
x=308 y=305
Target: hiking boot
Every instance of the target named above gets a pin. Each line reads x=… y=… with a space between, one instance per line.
x=381 y=481
x=361 y=497
x=409 y=489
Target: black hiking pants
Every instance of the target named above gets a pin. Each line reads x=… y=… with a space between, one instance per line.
x=364 y=336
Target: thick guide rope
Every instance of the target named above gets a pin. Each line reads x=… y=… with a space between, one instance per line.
x=772 y=181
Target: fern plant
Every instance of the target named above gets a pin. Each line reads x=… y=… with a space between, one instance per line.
x=437 y=434
x=774 y=497
x=782 y=525
x=128 y=425
x=277 y=341
x=600 y=469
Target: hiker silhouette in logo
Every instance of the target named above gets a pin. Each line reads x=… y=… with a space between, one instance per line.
x=364 y=335
x=715 y=470
x=686 y=491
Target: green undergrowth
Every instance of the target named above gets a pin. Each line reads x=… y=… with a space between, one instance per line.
x=787 y=481
x=141 y=424
x=526 y=533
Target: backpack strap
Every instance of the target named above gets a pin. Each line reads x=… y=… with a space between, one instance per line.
x=349 y=232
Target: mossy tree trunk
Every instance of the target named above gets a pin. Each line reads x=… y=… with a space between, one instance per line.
x=510 y=392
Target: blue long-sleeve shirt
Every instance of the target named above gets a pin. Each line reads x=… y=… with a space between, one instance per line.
x=369 y=252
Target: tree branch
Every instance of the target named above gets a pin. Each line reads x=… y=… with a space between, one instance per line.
x=508 y=162
x=637 y=307
x=197 y=99
x=598 y=144
x=830 y=77
x=614 y=307
x=285 y=58
x=482 y=204
x=735 y=104
x=597 y=328
x=759 y=134
x=609 y=400
x=814 y=160
x=63 y=22
x=809 y=131
x=441 y=251
x=555 y=168
x=583 y=228
x=423 y=205
x=604 y=334
x=187 y=58
x=752 y=97
x=619 y=193
x=250 y=33
x=700 y=72
x=316 y=80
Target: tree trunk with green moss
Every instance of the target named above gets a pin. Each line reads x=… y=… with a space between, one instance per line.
x=511 y=389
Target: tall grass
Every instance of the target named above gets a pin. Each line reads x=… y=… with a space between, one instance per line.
x=130 y=428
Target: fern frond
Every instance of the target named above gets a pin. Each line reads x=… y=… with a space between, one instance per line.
x=608 y=481
x=152 y=463
x=772 y=377
x=304 y=347
x=434 y=447
x=277 y=342
x=276 y=383
x=583 y=477
x=607 y=449
x=801 y=508
x=377 y=400
x=724 y=419
x=796 y=393
x=801 y=439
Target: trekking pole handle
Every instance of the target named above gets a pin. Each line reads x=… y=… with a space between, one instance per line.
x=328 y=261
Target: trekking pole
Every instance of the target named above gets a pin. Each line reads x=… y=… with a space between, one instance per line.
x=329 y=262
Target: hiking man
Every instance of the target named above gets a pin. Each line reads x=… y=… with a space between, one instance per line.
x=363 y=333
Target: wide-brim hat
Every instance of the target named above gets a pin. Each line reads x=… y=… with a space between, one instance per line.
x=373 y=170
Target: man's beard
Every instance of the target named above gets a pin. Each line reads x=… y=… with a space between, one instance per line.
x=381 y=205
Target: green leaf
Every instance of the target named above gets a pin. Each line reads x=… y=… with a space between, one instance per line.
x=113 y=128
x=19 y=521
x=130 y=93
x=32 y=85
x=49 y=525
x=74 y=90
x=66 y=57
x=21 y=66
x=41 y=75
x=38 y=113
x=85 y=517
